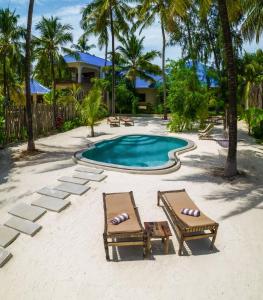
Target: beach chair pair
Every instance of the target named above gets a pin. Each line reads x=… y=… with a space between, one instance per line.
x=116 y=121
x=132 y=233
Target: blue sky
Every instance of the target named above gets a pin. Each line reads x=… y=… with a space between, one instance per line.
x=69 y=12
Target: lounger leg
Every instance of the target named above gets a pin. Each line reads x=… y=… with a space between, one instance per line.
x=213 y=240
x=158 y=199
x=181 y=242
x=106 y=247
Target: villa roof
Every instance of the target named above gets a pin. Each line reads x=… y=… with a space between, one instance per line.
x=201 y=71
x=144 y=84
x=37 y=88
x=87 y=58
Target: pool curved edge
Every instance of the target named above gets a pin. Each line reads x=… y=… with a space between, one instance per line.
x=172 y=165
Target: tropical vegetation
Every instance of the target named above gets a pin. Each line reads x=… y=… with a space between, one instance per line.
x=208 y=32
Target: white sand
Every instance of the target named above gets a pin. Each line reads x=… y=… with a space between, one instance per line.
x=66 y=259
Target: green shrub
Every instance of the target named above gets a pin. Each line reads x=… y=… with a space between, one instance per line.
x=158 y=109
x=253 y=117
x=187 y=99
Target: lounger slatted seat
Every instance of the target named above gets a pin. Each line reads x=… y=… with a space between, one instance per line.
x=114 y=121
x=128 y=233
x=187 y=227
x=127 y=121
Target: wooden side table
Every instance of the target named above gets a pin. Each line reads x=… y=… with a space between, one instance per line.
x=158 y=230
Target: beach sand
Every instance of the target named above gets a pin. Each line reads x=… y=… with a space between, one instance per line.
x=66 y=259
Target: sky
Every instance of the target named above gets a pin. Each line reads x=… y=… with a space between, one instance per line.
x=70 y=13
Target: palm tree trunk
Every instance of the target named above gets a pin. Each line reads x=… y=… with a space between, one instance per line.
x=163 y=73
x=5 y=77
x=106 y=54
x=113 y=61
x=231 y=163
x=92 y=133
x=30 y=142
x=54 y=89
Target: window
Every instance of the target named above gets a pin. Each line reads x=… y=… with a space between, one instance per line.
x=142 y=97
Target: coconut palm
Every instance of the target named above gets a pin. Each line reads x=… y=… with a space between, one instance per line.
x=82 y=45
x=164 y=10
x=30 y=143
x=91 y=26
x=253 y=24
x=133 y=61
x=10 y=46
x=49 y=45
x=90 y=108
x=104 y=15
x=229 y=11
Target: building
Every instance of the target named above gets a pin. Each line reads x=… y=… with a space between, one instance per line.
x=85 y=66
x=148 y=91
x=37 y=91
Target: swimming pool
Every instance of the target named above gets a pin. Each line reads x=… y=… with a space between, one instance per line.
x=137 y=152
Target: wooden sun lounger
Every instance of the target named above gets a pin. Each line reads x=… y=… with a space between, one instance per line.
x=127 y=121
x=114 y=121
x=127 y=233
x=206 y=133
x=187 y=227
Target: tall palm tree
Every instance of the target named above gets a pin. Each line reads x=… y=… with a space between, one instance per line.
x=133 y=61
x=83 y=45
x=164 y=10
x=10 y=45
x=108 y=14
x=253 y=24
x=94 y=24
x=231 y=163
x=49 y=45
x=30 y=143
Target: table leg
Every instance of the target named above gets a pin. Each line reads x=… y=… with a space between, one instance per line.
x=166 y=245
x=149 y=246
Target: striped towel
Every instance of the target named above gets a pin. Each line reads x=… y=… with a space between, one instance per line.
x=120 y=218
x=190 y=212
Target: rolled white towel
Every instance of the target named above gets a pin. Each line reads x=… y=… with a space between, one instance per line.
x=120 y=218
x=190 y=212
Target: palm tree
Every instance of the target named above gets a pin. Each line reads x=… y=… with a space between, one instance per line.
x=30 y=143
x=253 y=24
x=165 y=10
x=90 y=108
x=10 y=45
x=82 y=45
x=53 y=37
x=93 y=24
x=108 y=14
x=133 y=61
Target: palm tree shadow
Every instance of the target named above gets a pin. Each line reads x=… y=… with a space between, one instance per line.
x=245 y=189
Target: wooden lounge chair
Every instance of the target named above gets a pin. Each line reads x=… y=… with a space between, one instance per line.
x=206 y=133
x=114 y=121
x=187 y=227
x=127 y=121
x=127 y=233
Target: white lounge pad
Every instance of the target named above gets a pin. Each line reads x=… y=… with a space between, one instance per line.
x=72 y=188
x=73 y=180
x=51 y=203
x=4 y=257
x=89 y=170
x=27 y=212
x=22 y=225
x=53 y=193
x=7 y=236
x=89 y=176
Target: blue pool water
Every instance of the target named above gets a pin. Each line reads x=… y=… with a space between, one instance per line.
x=135 y=150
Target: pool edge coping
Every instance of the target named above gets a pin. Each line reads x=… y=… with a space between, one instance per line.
x=172 y=165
